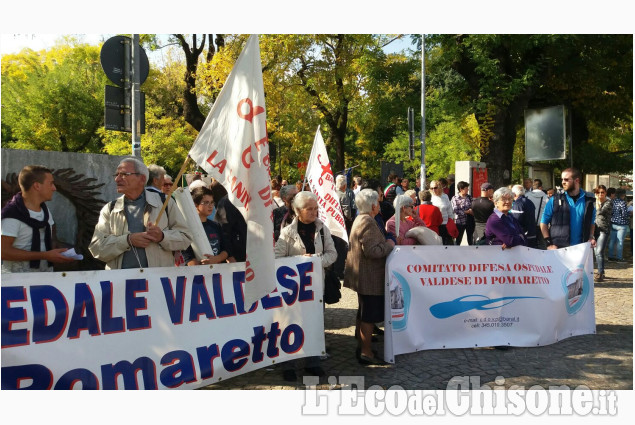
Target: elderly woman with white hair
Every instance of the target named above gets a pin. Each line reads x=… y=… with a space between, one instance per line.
x=308 y=236
x=404 y=212
x=501 y=227
x=365 y=268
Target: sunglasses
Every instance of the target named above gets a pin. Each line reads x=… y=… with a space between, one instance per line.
x=434 y=188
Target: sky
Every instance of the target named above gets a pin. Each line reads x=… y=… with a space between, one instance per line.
x=13 y=43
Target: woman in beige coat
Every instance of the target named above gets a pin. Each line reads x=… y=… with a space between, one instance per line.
x=365 y=269
x=304 y=236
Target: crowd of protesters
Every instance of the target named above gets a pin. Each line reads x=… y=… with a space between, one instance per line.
x=132 y=234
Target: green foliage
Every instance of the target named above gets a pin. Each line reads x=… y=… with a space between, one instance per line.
x=448 y=142
x=496 y=77
x=53 y=100
x=477 y=87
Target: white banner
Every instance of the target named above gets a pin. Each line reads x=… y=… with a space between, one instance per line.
x=461 y=297
x=160 y=328
x=234 y=149
x=322 y=183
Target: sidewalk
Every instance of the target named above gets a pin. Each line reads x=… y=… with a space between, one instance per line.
x=600 y=361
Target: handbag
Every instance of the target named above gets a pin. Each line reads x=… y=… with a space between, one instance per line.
x=332 y=285
x=452 y=229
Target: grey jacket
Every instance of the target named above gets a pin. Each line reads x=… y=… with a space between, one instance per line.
x=603 y=216
x=539 y=199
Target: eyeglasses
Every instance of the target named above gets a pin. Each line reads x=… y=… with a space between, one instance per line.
x=167 y=184
x=434 y=188
x=124 y=175
x=206 y=203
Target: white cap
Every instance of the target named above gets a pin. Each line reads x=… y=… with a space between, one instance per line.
x=195 y=184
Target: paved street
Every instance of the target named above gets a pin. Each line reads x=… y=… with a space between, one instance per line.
x=600 y=361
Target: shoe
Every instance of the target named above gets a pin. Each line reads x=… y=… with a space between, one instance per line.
x=377 y=330
x=620 y=261
x=315 y=371
x=364 y=360
x=611 y=260
x=598 y=277
x=358 y=353
x=289 y=376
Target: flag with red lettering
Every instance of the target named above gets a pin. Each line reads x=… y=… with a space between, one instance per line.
x=233 y=148
x=320 y=179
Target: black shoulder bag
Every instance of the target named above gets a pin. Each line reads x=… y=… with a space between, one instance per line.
x=332 y=284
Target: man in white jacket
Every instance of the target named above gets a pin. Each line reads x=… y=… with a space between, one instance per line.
x=127 y=234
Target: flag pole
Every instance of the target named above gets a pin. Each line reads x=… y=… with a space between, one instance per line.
x=174 y=185
x=423 y=113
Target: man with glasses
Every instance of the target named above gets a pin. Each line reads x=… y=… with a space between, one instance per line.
x=127 y=234
x=569 y=216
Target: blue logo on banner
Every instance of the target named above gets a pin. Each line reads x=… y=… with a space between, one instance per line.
x=576 y=286
x=399 y=302
x=461 y=305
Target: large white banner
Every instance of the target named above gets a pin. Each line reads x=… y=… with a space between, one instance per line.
x=161 y=328
x=233 y=148
x=320 y=179
x=461 y=297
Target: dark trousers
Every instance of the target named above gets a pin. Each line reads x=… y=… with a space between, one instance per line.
x=479 y=231
x=445 y=236
x=467 y=228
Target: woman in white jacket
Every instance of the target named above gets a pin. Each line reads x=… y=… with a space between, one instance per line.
x=441 y=201
x=305 y=236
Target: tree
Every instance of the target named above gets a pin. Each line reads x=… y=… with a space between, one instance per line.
x=53 y=100
x=496 y=77
x=191 y=111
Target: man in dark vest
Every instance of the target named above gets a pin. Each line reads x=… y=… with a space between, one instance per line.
x=570 y=213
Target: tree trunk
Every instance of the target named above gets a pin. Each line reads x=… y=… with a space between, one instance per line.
x=191 y=112
x=499 y=153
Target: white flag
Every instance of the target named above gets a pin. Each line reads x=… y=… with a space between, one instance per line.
x=233 y=147
x=320 y=179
